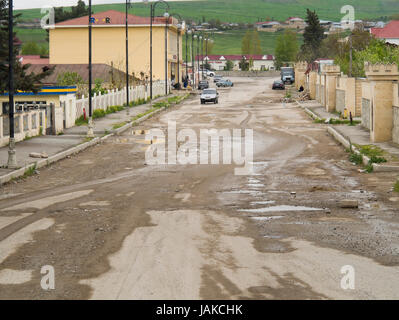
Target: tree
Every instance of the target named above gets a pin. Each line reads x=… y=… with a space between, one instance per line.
x=377 y=51
x=229 y=65
x=77 y=11
x=251 y=43
x=69 y=79
x=244 y=64
x=286 y=48
x=32 y=48
x=361 y=40
x=313 y=37
x=22 y=81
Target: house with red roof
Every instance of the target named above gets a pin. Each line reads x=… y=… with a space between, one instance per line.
x=389 y=33
x=68 y=43
x=218 y=62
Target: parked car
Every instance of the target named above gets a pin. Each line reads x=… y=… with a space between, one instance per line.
x=210 y=95
x=287 y=75
x=204 y=84
x=278 y=85
x=225 y=83
x=210 y=73
x=216 y=79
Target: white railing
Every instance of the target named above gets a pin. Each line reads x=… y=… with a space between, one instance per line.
x=118 y=97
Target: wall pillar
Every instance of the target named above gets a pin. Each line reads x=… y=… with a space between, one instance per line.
x=312 y=84
x=331 y=72
x=300 y=76
x=382 y=79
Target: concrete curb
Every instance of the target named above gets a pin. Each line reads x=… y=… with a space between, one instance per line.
x=308 y=111
x=346 y=143
x=74 y=150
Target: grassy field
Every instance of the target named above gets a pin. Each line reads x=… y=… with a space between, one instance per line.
x=229 y=42
x=238 y=11
x=252 y=10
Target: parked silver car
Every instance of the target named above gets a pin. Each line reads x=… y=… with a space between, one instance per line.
x=209 y=95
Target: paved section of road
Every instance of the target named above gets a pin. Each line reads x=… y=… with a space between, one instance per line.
x=114 y=226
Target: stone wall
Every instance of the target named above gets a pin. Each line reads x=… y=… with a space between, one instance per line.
x=269 y=74
x=395 y=130
x=340 y=100
x=366 y=104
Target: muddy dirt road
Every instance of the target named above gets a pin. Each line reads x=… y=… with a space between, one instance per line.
x=115 y=227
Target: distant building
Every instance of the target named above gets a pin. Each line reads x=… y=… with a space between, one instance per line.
x=259 y=62
x=295 y=23
x=268 y=26
x=389 y=33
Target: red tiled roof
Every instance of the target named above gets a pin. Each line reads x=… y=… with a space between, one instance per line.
x=390 y=31
x=236 y=57
x=33 y=59
x=115 y=18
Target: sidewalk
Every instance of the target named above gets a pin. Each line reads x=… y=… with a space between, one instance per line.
x=357 y=135
x=72 y=137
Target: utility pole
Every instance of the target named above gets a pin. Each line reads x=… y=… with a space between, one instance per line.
x=166 y=54
x=350 y=54
x=193 y=59
x=152 y=14
x=90 y=132
x=202 y=58
x=127 y=56
x=12 y=158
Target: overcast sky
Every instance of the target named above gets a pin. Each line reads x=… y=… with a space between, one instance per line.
x=27 y=4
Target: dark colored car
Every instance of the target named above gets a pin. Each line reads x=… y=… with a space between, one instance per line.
x=203 y=85
x=225 y=83
x=278 y=85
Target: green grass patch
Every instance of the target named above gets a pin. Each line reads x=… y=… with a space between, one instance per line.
x=338 y=121
x=356 y=158
x=81 y=121
x=119 y=125
x=30 y=171
x=396 y=186
x=370 y=150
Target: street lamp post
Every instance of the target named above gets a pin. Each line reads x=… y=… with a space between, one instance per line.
x=202 y=58
x=12 y=158
x=152 y=8
x=198 y=57
x=127 y=55
x=193 y=58
x=180 y=26
x=166 y=55
x=90 y=132
x=187 y=32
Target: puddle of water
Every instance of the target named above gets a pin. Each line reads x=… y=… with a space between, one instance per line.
x=281 y=208
x=262 y=202
x=251 y=192
x=272 y=237
x=267 y=218
x=95 y=204
x=255 y=185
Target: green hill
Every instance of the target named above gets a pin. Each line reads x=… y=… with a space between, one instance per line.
x=244 y=11
x=252 y=10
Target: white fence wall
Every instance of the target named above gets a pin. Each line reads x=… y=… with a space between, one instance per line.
x=118 y=98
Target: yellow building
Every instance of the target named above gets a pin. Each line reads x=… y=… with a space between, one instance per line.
x=69 y=43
